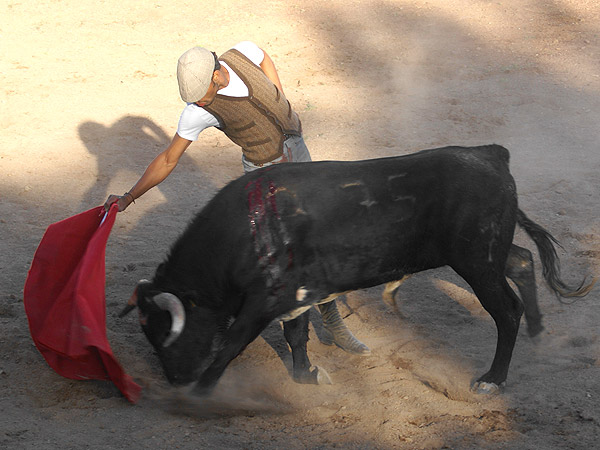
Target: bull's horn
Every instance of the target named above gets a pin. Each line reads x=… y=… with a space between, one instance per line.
x=171 y=303
x=128 y=308
x=132 y=302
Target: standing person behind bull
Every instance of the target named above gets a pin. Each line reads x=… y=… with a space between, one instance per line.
x=240 y=93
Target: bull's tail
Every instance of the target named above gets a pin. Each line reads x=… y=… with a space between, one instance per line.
x=550 y=263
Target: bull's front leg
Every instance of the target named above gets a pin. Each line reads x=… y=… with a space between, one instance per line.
x=243 y=331
x=296 y=334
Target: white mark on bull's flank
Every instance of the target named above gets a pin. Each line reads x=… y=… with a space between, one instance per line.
x=300 y=212
x=490 y=246
x=403 y=198
x=301 y=294
x=393 y=177
x=494 y=231
x=490 y=259
x=349 y=185
x=367 y=202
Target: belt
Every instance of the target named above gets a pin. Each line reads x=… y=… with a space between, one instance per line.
x=282 y=158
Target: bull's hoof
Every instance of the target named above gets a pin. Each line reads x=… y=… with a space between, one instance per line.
x=314 y=375
x=534 y=330
x=536 y=340
x=200 y=390
x=389 y=299
x=394 y=306
x=485 y=388
x=389 y=294
x=322 y=376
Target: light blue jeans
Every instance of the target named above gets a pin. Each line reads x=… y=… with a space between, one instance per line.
x=294 y=150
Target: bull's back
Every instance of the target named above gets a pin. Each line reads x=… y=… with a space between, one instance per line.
x=361 y=221
x=372 y=196
x=382 y=216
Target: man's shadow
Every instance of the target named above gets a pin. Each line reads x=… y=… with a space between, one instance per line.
x=117 y=147
x=125 y=149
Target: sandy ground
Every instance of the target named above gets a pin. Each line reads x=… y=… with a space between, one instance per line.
x=88 y=96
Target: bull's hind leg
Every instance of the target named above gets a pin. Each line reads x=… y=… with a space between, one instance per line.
x=519 y=268
x=296 y=334
x=389 y=293
x=505 y=307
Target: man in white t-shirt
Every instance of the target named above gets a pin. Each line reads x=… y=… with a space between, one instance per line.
x=241 y=94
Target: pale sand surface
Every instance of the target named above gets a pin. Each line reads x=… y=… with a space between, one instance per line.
x=88 y=96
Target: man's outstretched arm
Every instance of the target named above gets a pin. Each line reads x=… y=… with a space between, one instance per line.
x=155 y=173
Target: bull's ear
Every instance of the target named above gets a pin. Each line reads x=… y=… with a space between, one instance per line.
x=160 y=271
x=191 y=298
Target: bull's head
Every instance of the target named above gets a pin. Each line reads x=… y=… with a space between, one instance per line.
x=183 y=345
x=166 y=302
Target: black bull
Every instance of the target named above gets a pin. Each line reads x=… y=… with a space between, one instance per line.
x=276 y=241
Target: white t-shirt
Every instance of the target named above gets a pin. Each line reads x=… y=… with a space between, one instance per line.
x=194 y=119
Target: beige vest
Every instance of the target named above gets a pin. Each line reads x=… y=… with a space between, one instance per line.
x=257 y=123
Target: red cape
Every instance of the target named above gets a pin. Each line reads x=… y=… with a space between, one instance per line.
x=65 y=303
